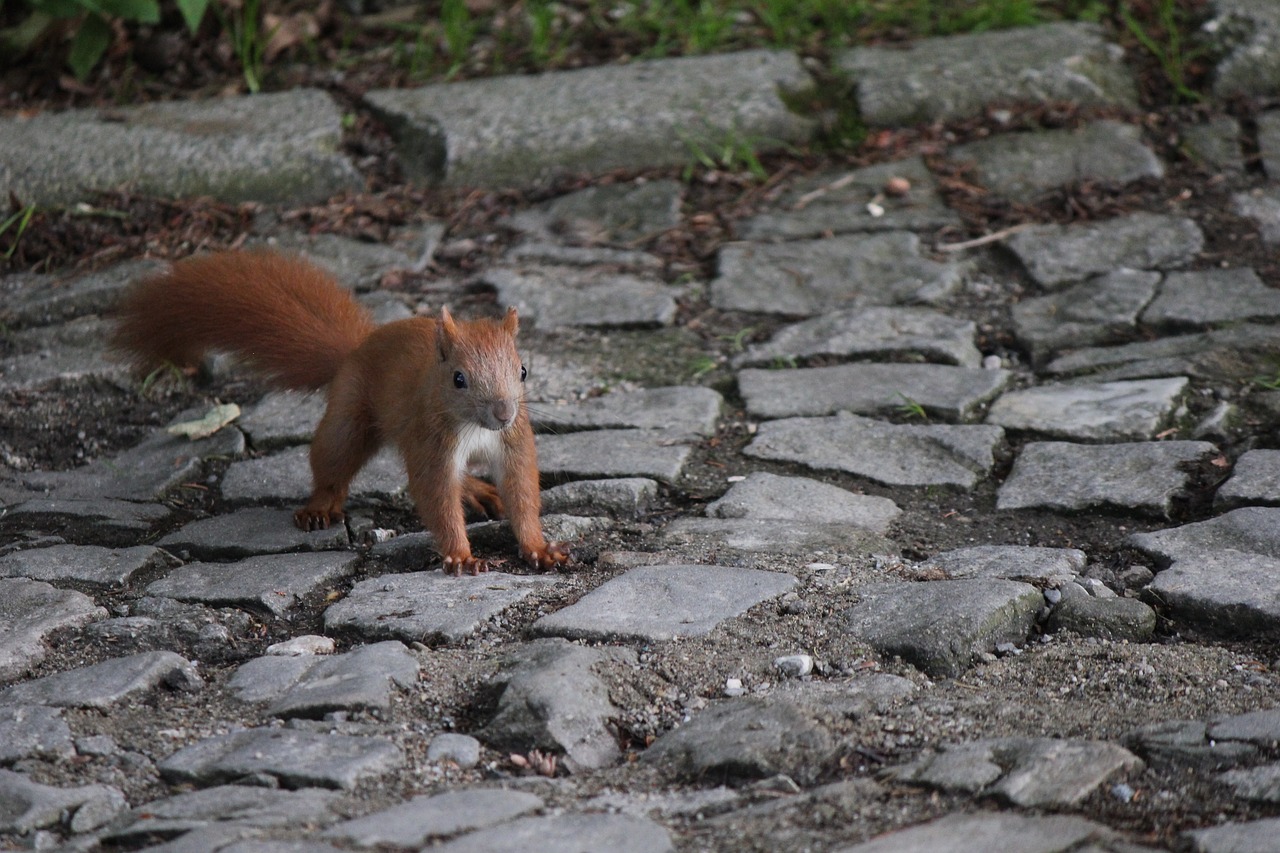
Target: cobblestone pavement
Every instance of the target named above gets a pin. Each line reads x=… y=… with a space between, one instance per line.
x=920 y=548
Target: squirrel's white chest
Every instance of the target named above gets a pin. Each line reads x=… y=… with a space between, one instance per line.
x=478 y=446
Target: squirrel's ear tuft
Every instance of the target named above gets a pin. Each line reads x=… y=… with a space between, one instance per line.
x=511 y=322
x=448 y=335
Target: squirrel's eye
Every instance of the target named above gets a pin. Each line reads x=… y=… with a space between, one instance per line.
x=459 y=381
x=523 y=373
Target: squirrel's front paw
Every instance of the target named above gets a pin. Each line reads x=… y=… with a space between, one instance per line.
x=316 y=519
x=456 y=564
x=547 y=557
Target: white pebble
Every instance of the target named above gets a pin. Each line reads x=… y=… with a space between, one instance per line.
x=308 y=644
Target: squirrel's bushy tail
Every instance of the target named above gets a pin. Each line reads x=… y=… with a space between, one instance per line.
x=283 y=315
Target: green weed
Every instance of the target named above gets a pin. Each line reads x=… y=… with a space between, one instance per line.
x=1164 y=42
x=911 y=409
x=18 y=222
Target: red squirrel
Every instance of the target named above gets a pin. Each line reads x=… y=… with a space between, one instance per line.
x=446 y=393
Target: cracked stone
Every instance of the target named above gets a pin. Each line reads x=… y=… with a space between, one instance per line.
x=551 y=700
x=657 y=603
x=1208 y=297
x=677 y=409
x=555 y=296
x=312 y=686
x=872 y=333
x=1098 y=411
x=415 y=822
x=91 y=565
x=602 y=454
x=274 y=583
x=1144 y=476
x=29 y=612
x=298 y=759
x=1098 y=311
x=1011 y=562
x=892 y=454
x=251 y=532
x=810 y=277
x=768 y=496
x=939 y=627
x=1059 y=254
x=102 y=685
x=1254 y=480
x=941 y=391
x=427 y=606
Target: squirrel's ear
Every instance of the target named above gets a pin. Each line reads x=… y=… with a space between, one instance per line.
x=448 y=333
x=511 y=323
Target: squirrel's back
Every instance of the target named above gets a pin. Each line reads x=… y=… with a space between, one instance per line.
x=284 y=315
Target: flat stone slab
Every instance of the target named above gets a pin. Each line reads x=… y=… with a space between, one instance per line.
x=297 y=759
x=1143 y=476
x=1025 y=772
x=1012 y=562
x=1208 y=297
x=106 y=517
x=768 y=496
x=426 y=606
x=843 y=202
x=773 y=536
x=939 y=627
x=1241 y=351
x=551 y=700
x=34 y=731
x=808 y=277
x=414 y=822
x=1021 y=166
x=654 y=454
x=39 y=300
x=942 y=391
x=657 y=603
x=1185 y=744
x=568 y=831
x=1099 y=411
x=892 y=454
x=237 y=805
x=1059 y=254
x=958 y=76
x=250 y=532
x=91 y=565
x=282 y=418
x=1097 y=311
x=29 y=612
x=749 y=737
x=872 y=333
x=623 y=496
x=1254 y=836
x=635 y=116
x=1261 y=728
x=286 y=476
x=617 y=214
x=108 y=683
x=676 y=408
x=313 y=685
x=557 y=296
x=1254 y=480
x=29 y=805
x=71 y=352
x=1233 y=592
x=146 y=472
x=1260 y=784
x=1255 y=530
x=270 y=147
x=274 y=583
x=1005 y=831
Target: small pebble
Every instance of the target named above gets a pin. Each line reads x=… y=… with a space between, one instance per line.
x=462 y=750
x=897 y=186
x=992 y=362
x=1053 y=596
x=733 y=687
x=794 y=666
x=1122 y=792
